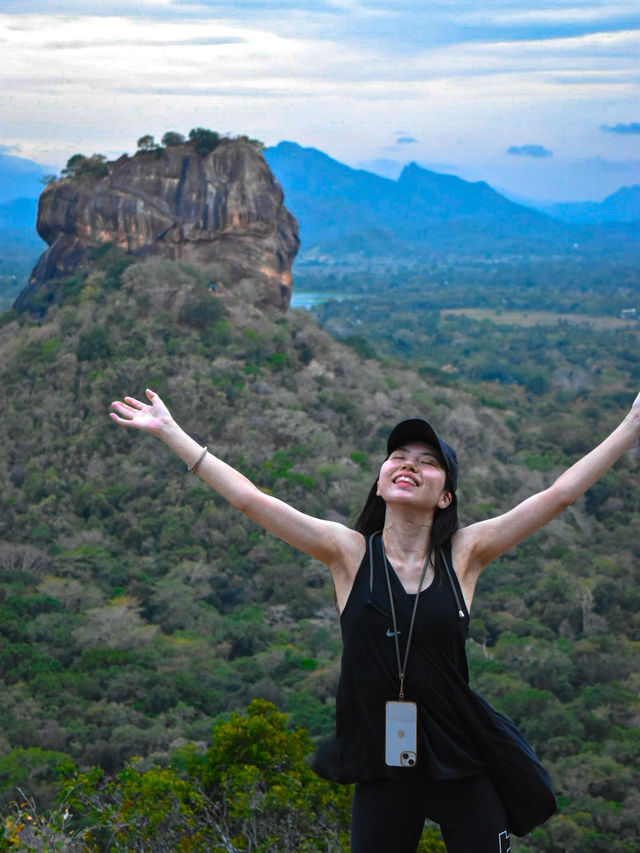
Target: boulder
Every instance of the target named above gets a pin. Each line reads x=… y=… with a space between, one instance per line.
x=224 y=209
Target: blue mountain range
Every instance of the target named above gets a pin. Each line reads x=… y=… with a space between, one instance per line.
x=344 y=211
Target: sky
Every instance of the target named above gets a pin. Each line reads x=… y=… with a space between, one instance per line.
x=538 y=97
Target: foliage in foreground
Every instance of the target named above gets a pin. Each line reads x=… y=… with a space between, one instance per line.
x=253 y=790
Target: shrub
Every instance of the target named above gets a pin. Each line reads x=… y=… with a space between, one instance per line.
x=206 y=140
x=94 y=344
x=80 y=166
x=171 y=139
x=201 y=312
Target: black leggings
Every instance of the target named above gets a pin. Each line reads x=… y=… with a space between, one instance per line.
x=388 y=815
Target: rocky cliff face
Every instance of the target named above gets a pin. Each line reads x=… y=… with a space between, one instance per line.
x=223 y=210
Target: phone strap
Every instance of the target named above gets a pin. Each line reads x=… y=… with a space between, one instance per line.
x=402 y=666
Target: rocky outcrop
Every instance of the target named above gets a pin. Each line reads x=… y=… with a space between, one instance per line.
x=223 y=209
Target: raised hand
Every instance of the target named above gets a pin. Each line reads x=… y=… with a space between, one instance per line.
x=148 y=418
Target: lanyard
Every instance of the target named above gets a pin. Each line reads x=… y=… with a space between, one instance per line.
x=402 y=667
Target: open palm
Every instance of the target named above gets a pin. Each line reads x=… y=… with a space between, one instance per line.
x=148 y=418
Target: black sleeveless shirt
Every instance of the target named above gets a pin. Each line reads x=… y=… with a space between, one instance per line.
x=436 y=676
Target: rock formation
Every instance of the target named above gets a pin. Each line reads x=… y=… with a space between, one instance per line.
x=223 y=210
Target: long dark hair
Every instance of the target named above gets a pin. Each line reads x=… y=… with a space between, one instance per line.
x=445 y=521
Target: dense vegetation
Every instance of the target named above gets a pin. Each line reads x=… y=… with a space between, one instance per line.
x=137 y=611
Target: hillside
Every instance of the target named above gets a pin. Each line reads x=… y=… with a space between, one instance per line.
x=136 y=607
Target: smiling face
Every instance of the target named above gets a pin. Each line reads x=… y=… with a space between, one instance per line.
x=414 y=475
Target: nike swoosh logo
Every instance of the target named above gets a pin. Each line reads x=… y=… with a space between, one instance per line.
x=391 y=633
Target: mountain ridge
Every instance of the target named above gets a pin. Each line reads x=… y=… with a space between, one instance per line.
x=343 y=211
x=621 y=206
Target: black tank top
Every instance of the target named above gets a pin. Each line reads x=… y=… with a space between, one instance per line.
x=436 y=676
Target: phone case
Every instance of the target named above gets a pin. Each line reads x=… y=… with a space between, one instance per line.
x=401 y=734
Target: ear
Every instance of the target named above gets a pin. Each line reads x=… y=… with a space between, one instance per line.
x=444 y=500
x=378 y=488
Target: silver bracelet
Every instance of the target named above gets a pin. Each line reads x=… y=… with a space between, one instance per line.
x=196 y=464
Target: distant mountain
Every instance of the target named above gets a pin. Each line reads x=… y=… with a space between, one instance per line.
x=20 y=178
x=621 y=206
x=20 y=245
x=19 y=213
x=350 y=213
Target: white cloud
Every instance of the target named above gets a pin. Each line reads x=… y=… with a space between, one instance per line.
x=337 y=75
x=600 y=13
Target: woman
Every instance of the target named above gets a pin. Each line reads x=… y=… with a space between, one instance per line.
x=418 y=742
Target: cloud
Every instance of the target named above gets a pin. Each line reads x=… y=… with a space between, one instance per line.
x=406 y=140
x=213 y=91
x=529 y=151
x=632 y=127
x=207 y=41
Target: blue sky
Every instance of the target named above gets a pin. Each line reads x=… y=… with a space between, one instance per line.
x=538 y=98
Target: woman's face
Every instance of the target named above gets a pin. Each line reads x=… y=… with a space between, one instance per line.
x=414 y=475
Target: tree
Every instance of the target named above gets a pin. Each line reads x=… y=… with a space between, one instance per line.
x=256 y=775
x=206 y=140
x=80 y=166
x=171 y=139
x=147 y=143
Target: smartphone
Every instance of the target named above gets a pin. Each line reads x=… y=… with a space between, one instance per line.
x=401 y=740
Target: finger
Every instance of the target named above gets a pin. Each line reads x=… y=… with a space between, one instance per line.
x=151 y=394
x=123 y=409
x=133 y=402
x=119 y=420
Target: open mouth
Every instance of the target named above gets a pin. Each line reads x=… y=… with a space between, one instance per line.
x=406 y=480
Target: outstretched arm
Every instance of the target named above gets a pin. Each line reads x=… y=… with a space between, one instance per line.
x=327 y=541
x=481 y=543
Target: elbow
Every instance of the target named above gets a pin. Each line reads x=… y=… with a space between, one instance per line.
x=242 y=503
x=248 y=501
x=562 y=497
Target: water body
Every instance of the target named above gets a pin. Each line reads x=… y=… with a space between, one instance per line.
x=310 y=298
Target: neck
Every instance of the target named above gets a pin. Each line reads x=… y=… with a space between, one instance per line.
x=407 y=538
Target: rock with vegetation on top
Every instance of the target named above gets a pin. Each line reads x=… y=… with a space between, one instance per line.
x=222 y=209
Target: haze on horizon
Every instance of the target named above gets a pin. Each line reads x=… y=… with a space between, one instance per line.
x=540 y=99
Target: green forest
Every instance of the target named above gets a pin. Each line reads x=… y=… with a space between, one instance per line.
x=167 y=667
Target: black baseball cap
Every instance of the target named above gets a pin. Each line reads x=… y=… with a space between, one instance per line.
x=419 y=429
